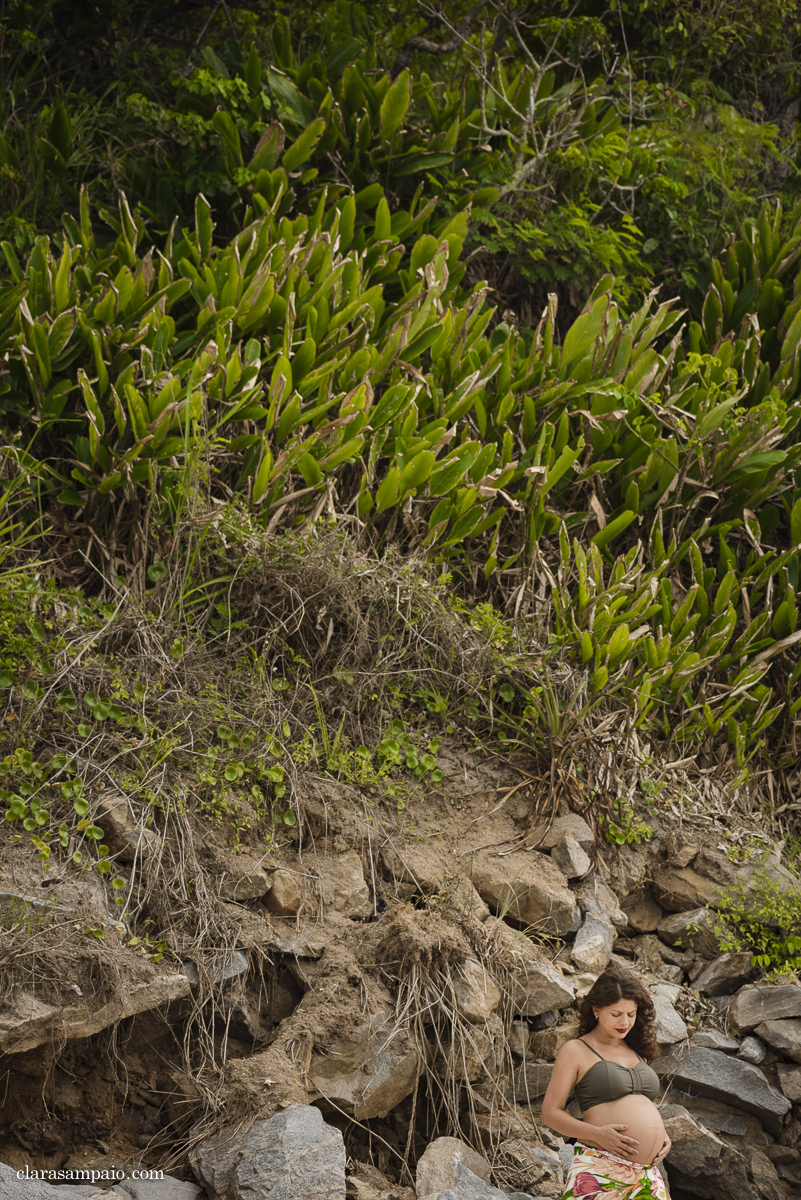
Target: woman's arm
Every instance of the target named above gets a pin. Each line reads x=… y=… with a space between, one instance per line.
x=605 y=1137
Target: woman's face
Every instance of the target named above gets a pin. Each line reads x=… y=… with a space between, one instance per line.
x=615 y=1021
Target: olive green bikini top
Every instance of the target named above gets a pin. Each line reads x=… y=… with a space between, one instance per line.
x=607 y=1081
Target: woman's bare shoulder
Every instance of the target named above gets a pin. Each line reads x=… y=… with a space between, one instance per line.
x=571 y=1050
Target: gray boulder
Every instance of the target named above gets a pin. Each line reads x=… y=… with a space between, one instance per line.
x=753 y=1005
x=752 y=1050
x=695 y=1150
x=643 y=912
x=528 y=888
x=713 y=1039
x=598 y=900
x=450 y=1170
x=571 y=859
x=782 y=1036
x=592 y=948
x=158 y=1189
x=166 y=1188
x=546 y=837
x=790 y=1081
x=13 y=1188
x=711 y=1073
x=537 y=985
x=725 y=974
x=293 y=1154
x=679 y=889
x=531 y=1081
x=670 y=1027
x=370 y=1069
x=693 y=930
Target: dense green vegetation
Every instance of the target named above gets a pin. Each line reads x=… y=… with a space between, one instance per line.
x=266 y=273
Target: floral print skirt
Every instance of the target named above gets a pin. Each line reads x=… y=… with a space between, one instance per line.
x=596 y=1174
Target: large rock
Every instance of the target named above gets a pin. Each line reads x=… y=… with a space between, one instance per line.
x=292 y=1155
x=531 y=1081
x=528 y=1165
x=370 y=1070
x=451 y=1165
x=548 y=1042
x=679 y=889
x=670 y=1027
x=598 y=900
x=285 y=897
x=166 y=1188
x=783 y=1036
x=701 y=1164
x=643 y=912
x=243 y=879
x=693 y=930
x=546 y=837
x=30 y=1022
x=752 y=1050
x=368 y=1183
x=571 y=859
x=537 y=985
x=124 y=833
x=528 y=888
x=725 y=974
x=712 y=1073
x=12 y=1188
x=790 y=1081
x=695 y=1150
x=477 y=994
x=473 y=1055
x=753 y=1005
x=713 y=1039
x=592 y=949
x=220 y=968
x=343 y=885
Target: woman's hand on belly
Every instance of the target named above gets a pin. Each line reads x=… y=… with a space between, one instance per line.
x=635 y=1118
x=614 y=1139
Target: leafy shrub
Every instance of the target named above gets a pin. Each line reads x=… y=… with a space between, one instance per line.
x=764 y=916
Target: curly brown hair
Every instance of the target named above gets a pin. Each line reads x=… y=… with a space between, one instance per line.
x=616 y=985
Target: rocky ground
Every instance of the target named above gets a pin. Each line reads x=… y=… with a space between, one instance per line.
x=381 y=1004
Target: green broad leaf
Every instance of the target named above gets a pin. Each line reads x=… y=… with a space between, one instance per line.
x=387 y=493
x=563 y=464
x=617 y=646
x=599 y=678
x=343 y=54
x=253 y=70
x=296 y=105
x=301 y=149
x=795 y=525
x=604 y=536
x=711 y=421
x=229 y=136
x=446 y=476
x=420 y=162
x=415 y=473
x=264 y=474
x=759 y=462
x=204 y=227
x=344 y=453
x=310 y=470
x=395 y=105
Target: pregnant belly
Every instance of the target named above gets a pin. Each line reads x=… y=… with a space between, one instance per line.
x=643 y=1120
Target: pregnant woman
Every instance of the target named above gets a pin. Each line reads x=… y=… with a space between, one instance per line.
x=621 y=1138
